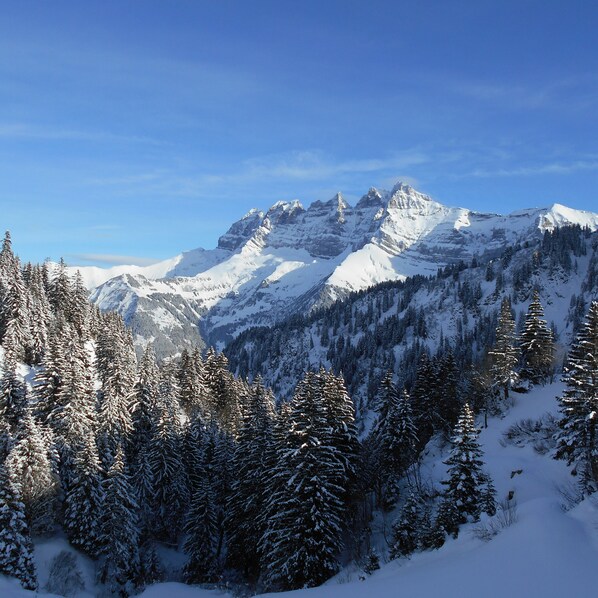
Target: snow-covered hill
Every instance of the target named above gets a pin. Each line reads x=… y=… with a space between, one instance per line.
x=290 y=260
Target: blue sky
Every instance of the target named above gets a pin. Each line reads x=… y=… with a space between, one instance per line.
x=132 y=130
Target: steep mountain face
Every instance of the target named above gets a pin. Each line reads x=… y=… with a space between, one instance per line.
x=388 y=326
x=290 y=260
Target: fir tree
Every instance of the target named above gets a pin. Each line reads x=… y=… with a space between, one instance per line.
x=537 y=345
x=119 y=566
x=30 y=467
x=84 y=499
x=405 y=529
x=466 y=480
x=578 y=437
x=504 y=354
x=16 y=548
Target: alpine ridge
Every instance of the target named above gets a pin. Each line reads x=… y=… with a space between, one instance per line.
x=269 y=266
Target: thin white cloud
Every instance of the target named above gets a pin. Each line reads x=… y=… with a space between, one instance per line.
x=114 y=259
x=35 y=132
x=552 y=168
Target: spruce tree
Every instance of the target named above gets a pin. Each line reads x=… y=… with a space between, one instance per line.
x=13 y=393
x=119 y=565
x=30 y=467
x=405 y=529
x=201 y=526
x=578 y=436
x=304 y=533
x=395 y=440
x=504 y=355
x=245 y=503
x=466 y=480
x=16 y=548
x=84 y=499
x=170 y=493
x=537 y=344
x=115 y=360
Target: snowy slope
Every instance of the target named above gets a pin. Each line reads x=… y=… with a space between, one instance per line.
x=547 y=553
x=290 y=260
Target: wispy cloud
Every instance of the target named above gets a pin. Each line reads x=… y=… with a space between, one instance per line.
x=41 y=132
x=314 y=164
x=110 y=258
x=538 y=169
x=566 y=93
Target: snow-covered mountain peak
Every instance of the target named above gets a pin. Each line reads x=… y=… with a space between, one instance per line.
x=373 y=198
x=404 y=197
x=559 y=215
x=269 y=266
x=283 y=211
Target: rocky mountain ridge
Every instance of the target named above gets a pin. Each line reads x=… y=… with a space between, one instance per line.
x=269 y=266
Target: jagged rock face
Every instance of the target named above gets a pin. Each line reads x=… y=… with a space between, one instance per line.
x=289 y=260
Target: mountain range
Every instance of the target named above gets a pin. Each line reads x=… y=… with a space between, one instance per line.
x=291 y=260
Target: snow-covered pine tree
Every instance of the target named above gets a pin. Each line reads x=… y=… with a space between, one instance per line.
x=115 y=360
x=578 y=437
x=16 y=317
x=48 y=377
x=395 y=440
x=143 y=403
x=537 y=344
x=119 y=565
x=29 y=465
x=60 y=291
x=84 y=498
x=39 y=321
x=13 y=393
x=193 y=395
x=504 y=355
x=340 y=411
x=201 y=525
x=170 y=493
x=245 y=503
x=304 y=532
x=16 y=548
x=222 y=390
x=405 y=529
x=422 y=399
x=466 y=479
x=448 y=405
x=79 y=308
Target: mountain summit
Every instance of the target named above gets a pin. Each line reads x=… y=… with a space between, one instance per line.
x=268 y=266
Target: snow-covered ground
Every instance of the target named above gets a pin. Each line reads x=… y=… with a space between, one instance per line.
x=548 y=552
